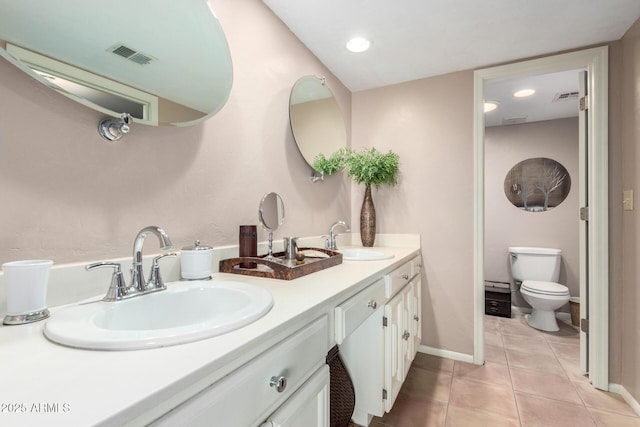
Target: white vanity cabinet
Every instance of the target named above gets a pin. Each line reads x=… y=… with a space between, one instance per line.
x=379 y=352
x=308 y=407
x=292 y=373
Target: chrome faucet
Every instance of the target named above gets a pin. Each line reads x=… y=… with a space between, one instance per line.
x=118 y=290
x=137 y=276
x=330 y=243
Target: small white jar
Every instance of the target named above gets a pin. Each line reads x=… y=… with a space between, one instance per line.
x=196 y=261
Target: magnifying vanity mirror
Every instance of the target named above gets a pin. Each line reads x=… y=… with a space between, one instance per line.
x=271 y=216
x=165 y=64
x=316 y=120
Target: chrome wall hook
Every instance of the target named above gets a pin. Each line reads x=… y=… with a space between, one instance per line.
x=113 y=130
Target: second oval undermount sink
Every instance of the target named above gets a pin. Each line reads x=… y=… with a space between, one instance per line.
x=364 y=254
x=184 y=312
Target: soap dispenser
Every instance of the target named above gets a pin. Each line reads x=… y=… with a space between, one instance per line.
x=196 y=261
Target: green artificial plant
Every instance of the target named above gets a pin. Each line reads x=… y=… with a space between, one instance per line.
x=367 y=166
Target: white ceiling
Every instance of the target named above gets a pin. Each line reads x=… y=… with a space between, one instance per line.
x=537 y=107
x=414 y=39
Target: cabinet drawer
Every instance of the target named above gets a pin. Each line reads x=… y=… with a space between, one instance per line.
x=396 y=280
x=245 y=398
x=497 y=296
x=416 y=265
x=354 y=311
x=497 y=308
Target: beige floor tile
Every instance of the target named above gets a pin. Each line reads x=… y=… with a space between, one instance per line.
x=410 y=411
x=537 y=345
x=572 y=368
x=490 y=398
x=542 y=412
x=432 y=363
x=545 y=385
x=429 y=385
x=461 y=417
x=491 y=323
x=495 y=354
x=594 y=398
x=493 y=338
x=567 y=334
x=535 y=361
x=491 y=373
x=607 y=419
x=566 y=351
x=518 y=326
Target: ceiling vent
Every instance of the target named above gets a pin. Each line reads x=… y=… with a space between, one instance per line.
x=514 y=120
x=131 y=54
x=565 y=96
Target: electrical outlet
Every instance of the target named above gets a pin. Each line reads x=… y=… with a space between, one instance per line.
x=627 y=200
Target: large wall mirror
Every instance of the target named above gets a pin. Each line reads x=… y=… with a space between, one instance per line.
x=316 y=120
x=164 y=62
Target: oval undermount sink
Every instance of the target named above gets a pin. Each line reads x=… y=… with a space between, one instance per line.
x=185 y=312
x=363 y=254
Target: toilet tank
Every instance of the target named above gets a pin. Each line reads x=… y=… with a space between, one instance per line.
x=542 y=264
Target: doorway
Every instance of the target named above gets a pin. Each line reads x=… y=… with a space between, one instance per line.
x=594 y=247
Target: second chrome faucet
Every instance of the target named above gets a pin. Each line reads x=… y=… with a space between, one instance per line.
x=330 y=243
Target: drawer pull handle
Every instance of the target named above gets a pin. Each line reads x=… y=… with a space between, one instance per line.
x=279 y=383
x=405 y=276
x=406 y=335
x=373 y=305
x=416 y=317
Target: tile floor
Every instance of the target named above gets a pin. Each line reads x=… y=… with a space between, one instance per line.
x=530 y=378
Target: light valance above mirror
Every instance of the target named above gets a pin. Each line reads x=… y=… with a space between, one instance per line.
x=164 y=62
x=316 y=120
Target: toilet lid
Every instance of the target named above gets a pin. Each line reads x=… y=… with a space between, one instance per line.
x=547 y=288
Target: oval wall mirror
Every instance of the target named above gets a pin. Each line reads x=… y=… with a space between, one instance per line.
x=537 y=185
x=316 y=120
x=165 y=63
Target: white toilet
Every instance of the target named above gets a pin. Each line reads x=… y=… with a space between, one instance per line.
x=538 y=270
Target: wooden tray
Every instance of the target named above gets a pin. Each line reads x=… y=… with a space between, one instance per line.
x=280 y=268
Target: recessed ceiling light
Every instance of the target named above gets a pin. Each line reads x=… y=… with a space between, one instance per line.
x=490 y=106
x=358 y=44
x=524 y=93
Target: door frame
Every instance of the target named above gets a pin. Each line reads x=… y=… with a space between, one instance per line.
x=595 y=61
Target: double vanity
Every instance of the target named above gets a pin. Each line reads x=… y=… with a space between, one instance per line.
x=272 y=371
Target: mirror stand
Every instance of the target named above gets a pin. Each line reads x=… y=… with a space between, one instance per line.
x=113 y=130
x=270 y=251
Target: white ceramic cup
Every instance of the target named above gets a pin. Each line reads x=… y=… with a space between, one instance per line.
x=26 y=285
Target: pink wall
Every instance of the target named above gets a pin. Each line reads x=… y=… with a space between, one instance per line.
x=630 y=293
x=429 y=123
x=70 y=196
x=506 y=225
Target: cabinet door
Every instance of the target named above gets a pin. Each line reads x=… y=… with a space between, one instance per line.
x=416 y=314
x=407 y=336
x=394 y=348
x=363 y=353
x=308 y=407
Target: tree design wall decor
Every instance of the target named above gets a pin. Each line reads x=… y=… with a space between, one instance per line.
x=537 y=185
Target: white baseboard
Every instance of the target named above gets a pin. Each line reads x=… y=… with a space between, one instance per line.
x=617 y=388
x=446 y=354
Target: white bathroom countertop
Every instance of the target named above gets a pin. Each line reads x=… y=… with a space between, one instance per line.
x=43 y=383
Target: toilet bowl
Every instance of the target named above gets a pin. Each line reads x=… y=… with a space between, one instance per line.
x=545 y=298
x=537 y=270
